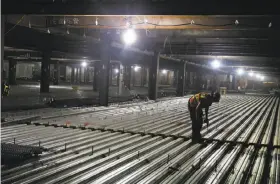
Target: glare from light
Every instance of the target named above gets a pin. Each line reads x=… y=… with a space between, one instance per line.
x=240 y=71
x=251 y=74
x=136 y=68
x=96 y=22
x=216 y=64
x=258 y=76
x=164 y=71
x=129 y=36
x=262 y=78
x=116 y=70
x=84 y=64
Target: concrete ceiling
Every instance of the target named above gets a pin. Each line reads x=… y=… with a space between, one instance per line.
x=253 y=42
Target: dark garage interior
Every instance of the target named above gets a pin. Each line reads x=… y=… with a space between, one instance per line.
x=102 y=91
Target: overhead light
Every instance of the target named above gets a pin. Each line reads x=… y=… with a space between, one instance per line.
x=240 y=71
x=48 y=30
x=258 y=76
x=116 y=70
x=216 y=64
x=136 y=68
x=84 y=64
x=67 y=31
x=164 y=71
x=129 y=36
x=251 y=74
x=146 y=21
x=84 y=35
x=262 y=78
x=96 y=21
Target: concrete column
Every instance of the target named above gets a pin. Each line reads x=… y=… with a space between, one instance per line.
x=86 y=77
x=181 y=80
x=80 y=74
x=56 y=73
x=133 y=77
x=105 y=55
x=45 y=72
x=147 y=76
x=214 y=86
x=143 y=75
x=2 y=44
x=120 y=79
x=198 y=81
x=127 y=76
x=188 y=78
x=12 y=72
x=96 y=75
x=72 y=75
x=77 y=75
x=153 y=76
x=111 y=75
x=228 y=81
x=118 y=74
x=175 y=82
x=233 y=82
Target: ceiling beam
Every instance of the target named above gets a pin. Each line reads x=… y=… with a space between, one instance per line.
x=146 y=7
x=169 y=22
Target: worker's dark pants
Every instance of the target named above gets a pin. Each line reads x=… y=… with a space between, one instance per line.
x=196 y=124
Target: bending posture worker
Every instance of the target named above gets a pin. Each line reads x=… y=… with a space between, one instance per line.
x=5 y=89
x=195 y=105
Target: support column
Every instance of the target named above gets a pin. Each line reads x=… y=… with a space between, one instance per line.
x=85 y=75
x=105 y=55
x=127 y=76
x=96 y=75
x=198 y=80
x=72 y=75
x=133 y=77
x=188 y=78
x=45 y=72
x=228 y=81
x=12 y=72
x=233 y=82
x=2 y=45
x=175 y=79
x=214 y=87
x=77 y=75
x=142 y=76
x=120 y=79
x=80 y=75
x=111 y=75
x=118 y=74
x=181 y=80
x=56 y=73
x=153 y=76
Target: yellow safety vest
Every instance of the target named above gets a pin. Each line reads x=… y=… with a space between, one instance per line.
x=195 y=99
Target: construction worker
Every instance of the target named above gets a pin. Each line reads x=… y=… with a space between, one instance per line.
x=195 y=105
x=5 y=89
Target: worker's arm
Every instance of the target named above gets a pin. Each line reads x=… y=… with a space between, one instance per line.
x=198 y=111
x=189 y=106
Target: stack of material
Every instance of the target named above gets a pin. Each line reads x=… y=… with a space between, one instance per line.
x=13 y=153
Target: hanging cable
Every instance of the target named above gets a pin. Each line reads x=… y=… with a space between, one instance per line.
x=19 y=21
